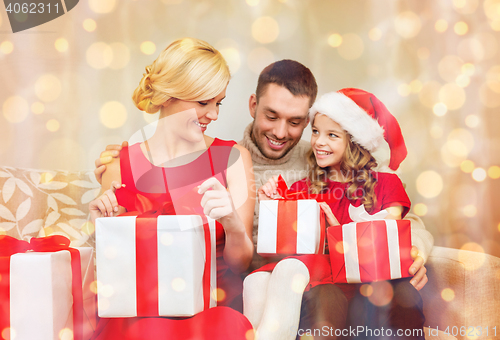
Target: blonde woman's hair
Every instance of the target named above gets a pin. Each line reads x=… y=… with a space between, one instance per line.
x=188 y=69
x=355 y=168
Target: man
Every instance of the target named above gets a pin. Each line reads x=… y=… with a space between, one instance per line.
x=285 y=91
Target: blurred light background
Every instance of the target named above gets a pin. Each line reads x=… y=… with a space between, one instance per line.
x=65 y=86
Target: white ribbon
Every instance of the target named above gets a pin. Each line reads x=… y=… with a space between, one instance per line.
x=359 y=214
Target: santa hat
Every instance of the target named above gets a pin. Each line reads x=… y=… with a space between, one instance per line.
x=365 y=118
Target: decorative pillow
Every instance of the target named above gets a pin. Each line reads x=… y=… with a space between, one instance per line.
x=37 y=202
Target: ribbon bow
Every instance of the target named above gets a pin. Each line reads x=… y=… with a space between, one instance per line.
x=359 y=214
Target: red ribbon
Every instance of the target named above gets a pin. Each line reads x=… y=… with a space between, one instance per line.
x=10 y=246
x=147 y=212
x=287 y=217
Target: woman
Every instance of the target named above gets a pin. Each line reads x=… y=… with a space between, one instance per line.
x=179 y=163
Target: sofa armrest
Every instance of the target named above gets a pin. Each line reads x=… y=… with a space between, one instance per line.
x=474 y=279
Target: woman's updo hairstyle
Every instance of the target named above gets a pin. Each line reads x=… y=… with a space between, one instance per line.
x=188 y=69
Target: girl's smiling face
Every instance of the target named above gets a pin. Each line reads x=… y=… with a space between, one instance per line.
x=328 y=141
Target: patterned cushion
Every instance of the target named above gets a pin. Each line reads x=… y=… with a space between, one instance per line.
x=37 y=202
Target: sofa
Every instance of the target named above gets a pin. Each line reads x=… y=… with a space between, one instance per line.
x=463 y=289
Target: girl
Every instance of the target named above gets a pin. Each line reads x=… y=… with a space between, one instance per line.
x=347 y=126
x=180 y=164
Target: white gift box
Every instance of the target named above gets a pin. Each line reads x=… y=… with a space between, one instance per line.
x=181 y=262
x=41 y=301
x=302 y=236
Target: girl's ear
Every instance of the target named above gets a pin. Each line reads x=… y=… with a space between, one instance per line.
x=168 y=101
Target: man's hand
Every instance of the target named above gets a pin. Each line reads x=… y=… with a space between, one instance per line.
x=112 y=151
x=418 y=270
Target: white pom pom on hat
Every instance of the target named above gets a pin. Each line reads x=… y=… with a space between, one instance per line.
x=365 y=118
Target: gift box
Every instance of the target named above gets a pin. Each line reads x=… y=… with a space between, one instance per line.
x=290 y=226
x=150 y=265
x=370 y=251
x=41 y=294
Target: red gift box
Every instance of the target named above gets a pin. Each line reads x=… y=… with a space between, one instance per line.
x=370 y=251
x=9 y=247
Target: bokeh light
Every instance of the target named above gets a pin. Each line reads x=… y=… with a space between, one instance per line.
x=52 y=125
x=407 y=24
x=450 y=67
x=89 y=25
x=61 y=45
x=462 y=80
x=461 y=28
x=423 y=53
x=472 y=121
x=8 y=333
x=113 y=114
x=265 y=30
x=439 y=109
x=88 y=228
x=416 y=86
x=352 y=46
x=382 y=293
x=470 y=210
x=251 y=333
x=420 y=209
x=436 y=131
x=494 y=171
x=121 y=56
x=468 y=262
x=102 y=6
x=471 y=50
x=178 y=284
x=233 y=59
x=404 y=90
x=258 y=58
x=167 y=239
x=366 y=290
x=452 y=95
x=375 y=34
x=99 y=55
x=37 y=108
x=429 y=184
x=467 y=166
x=441 y=26
x=66 y=334
x=15 y=109
x=334 y=40
x=252 y=3
x=468 y=69
x=492 y=9
x=488 y=97
x=429 y=95
x=479 y=174
x=447 y=294
x=6 y=47
x=149 y=47
x=460 y=142
x=465 y=6
x=493 y=78
x=48 y=88
x=220 y=294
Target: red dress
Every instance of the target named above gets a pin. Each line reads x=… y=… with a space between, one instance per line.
x=179 y=185
x=389 y=191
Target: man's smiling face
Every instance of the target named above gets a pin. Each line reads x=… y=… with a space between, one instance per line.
x=279 y=120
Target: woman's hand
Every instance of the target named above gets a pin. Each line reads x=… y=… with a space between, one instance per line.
x=269 y=190
x=216 y=201
x=106 y=204
x=330 y=217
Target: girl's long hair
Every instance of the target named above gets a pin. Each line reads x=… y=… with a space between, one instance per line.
x=355 y=168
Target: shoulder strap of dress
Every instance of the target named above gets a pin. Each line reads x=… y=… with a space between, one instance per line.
x=125 y=168
x=221 y=142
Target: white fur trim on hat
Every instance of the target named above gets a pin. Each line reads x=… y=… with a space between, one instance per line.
x=357 y=122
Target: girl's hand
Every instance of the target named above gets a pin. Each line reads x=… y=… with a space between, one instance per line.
x=106 y=204
x=330 y=217
x=269 y=190
x=217 y=202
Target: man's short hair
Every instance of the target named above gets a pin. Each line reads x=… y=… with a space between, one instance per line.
x=290 y=74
